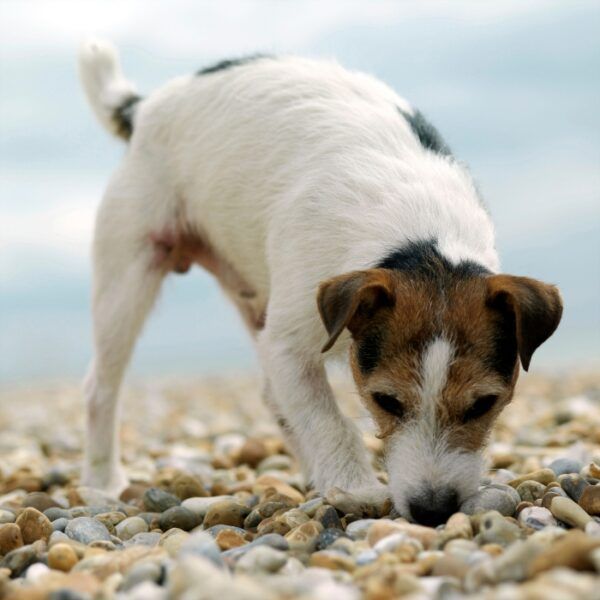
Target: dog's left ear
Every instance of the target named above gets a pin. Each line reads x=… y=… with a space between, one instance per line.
x=536 y=307
x=351 y=300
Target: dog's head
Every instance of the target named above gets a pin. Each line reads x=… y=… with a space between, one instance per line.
x=435 y=360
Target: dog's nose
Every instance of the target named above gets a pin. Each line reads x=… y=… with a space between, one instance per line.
x=433 y=507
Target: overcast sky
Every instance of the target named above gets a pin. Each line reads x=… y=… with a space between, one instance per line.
x=513 y=86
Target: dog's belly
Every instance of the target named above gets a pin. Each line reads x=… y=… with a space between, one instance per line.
x=177 y=251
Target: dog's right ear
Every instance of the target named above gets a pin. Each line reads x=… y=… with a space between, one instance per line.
x=351 y=300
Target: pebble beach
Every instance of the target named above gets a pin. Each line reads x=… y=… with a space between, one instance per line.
x=217 y=507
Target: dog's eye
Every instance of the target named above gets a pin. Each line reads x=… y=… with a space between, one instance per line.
x=389 y=403
x=480 y=407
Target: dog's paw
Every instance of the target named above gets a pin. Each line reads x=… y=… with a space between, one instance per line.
x=368 y=502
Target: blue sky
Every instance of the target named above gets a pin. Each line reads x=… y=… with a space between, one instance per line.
x=514 y=87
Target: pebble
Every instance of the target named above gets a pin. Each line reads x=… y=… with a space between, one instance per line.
x=273 y=540
x=6 y=516
x=230 y=538
x=530 y=491
x=86 y=530
x=129 y=527
x=186 y=486
x=226 y=512
x=562 y=466
x=10 y=538
x=34 y=525
x=19 y=559
x=573 y=485
x=145 y=538
x=328 y=537
x=569 y=512
x=536 y=517
x=40 y=501
x=140 y=573
x=544 y=476
x=252 y=452
x=199 y=506
x=202 y=544
x=335 y=561
x=265 y=481
x=179 y=517
x=54 y=513
x=573 y=550
x=311 y=507
x=305 y=536
x=328 y=517
x=358 y=530
x=62 y=557
x=261 y=559
x=350 y=504
x=498 y=497
x=496 y=529
x=60 y=524
x=590 y=500
x=157 y=500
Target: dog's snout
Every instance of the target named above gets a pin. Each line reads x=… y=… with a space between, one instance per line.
x=433 y=507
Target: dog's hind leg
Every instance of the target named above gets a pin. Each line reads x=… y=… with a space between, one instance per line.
x=126 y=283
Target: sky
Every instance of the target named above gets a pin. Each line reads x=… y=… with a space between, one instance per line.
x=514 y=87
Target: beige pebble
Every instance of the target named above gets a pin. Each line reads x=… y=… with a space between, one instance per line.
x=304 y=537
x=228 y=538
x=573 y=550
x=569 y=512
x=186 y=486
x=62 y=557
x=264 y=482
x=383 y=528
x=34 y=525
x=590 y=500
x=331 y=560
x=252 y=452
x=544 y=476
x=10 y=538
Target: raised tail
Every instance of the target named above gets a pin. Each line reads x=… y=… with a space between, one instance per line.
x=112 y=97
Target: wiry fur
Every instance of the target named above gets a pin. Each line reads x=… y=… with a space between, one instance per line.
x=275 y=175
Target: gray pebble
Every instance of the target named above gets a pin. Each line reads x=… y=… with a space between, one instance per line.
x=261 y=559
x=140 y=572
x=177 y=516
x=357 y=530
x=60 y=524
x=328 y=536
x=148 y=517
x=145 y=538
x=573 y=485
x=278 y=462
x=562 y=466
x=366 y=557
x=6 y=516
x=310 y=507
x=129 y=527
x=215 y=529
x=157 y=500
x=58 y=536
x=18 y=560
x=54 y=513
x=274 y=540
x=536 y=517
x=202 y=544
x=502 y=498
x=328 y=517
x=87 y=530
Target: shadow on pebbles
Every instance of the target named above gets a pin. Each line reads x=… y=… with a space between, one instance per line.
x=218 y=509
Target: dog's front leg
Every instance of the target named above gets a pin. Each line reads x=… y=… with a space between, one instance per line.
x=329 y=445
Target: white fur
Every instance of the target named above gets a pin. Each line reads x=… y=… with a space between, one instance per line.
x=295 y=170
x=417 y=455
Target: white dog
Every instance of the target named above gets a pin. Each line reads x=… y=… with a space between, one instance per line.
x=335 y=218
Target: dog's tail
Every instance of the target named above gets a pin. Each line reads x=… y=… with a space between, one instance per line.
x=112 y=97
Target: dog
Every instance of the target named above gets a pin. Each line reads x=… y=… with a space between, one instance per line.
x=336 y=219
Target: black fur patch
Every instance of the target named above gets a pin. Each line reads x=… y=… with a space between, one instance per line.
x=423 y=259
x=229 y=63
x=504 y=356
x=123 y=116
x=369 y=351
x=428 y=135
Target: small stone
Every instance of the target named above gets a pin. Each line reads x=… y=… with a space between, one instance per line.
x=496 y=529
x=140 y=573
x=110 y=519
x=129 y=527
x=34 y=525
x=201 y=544
x=157 y=500
x=334 y=561
x=252 y=452
x=62 y=557
x=185 y=486
x=54 y=513
x=544 y=476
x=261 y=559
x=590 y=500
x=573 y=551
x=498 y=497
x=311 y=507
x=594 y=470
x=40 y=501
x=574 y=485
x=134 y=491
x=304 y=537
x=173 y=540
x=275 y=462
x=19 y=559
x=144 y=538
x=569 y=512
x=87 y=530
x=273 y=540
x=530 y=491
x=328 y=537
x=328 y=517
x=264 y=482
x=562 y=466
x=457 y=526
x=226 y=512
x=199 y=506
x=294 y=517
x=6 y=516
x=10 y=538
x=179 y=517
x=229 y=538
x=60 y=524
x=536 y=517
x=450 y=566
